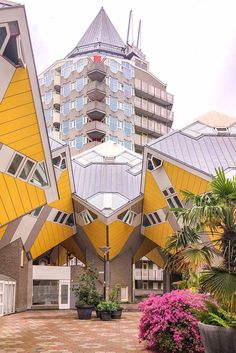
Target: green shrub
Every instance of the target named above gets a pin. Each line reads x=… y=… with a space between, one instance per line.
x=86 y=292
x=217 y=316
x=107 y=306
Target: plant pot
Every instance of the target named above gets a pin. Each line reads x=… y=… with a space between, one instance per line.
x=98 y=314
x=217 y=339
x=84 y=312
x=105 y=315
x=116 y=314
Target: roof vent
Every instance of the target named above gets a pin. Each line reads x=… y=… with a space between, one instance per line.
x=109 y=159
x=222 y=131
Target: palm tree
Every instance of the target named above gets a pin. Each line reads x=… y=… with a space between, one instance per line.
x=213 y=212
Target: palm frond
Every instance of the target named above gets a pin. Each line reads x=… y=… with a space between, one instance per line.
x=222 y=187
x=221 y=285
x=181 y=239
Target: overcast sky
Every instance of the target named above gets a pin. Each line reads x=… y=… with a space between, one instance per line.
x=190 y=44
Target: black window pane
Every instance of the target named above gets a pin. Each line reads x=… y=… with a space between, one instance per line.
x=156 y=162
x=37 y=211
x=70 y=221
x=178 y=203
x=170 y=203
x=157 y=217
x=3 y=34
x=171 y=190
x=150 y=165
x=57 y=216
x=15 y=164
x=152 y=218
x=27 y=169
x=165 y=192
x=146 y=222
x=63 y=218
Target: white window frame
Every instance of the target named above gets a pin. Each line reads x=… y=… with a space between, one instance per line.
x=20 y=165
x=129 y=217
x=86 y=217
x=46 y=172
x=71 y=124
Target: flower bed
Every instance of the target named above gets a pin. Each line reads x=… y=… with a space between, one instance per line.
x=167 y=324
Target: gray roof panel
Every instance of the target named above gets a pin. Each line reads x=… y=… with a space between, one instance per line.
x=204 y=154
x=105 y=178
x=54 y=144
x=101 y=36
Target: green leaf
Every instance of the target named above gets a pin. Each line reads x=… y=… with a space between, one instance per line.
x=221 y=285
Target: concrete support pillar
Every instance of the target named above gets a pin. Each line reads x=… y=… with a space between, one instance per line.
x=166 y=281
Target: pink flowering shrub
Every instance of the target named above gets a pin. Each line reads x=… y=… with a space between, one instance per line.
x=167 y=324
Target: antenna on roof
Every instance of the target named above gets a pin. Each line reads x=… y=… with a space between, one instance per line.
x=129 y=24
x=139 y=36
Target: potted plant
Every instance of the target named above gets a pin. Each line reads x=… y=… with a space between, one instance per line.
x=87 y=296
x=114 y=297
x=214 y=214
x=106 y=308
x=221 y=325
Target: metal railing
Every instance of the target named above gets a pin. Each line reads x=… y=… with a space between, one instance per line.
x=154 y=91
x=148 y=275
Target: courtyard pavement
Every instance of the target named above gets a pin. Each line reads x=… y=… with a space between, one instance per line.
x=57 y=331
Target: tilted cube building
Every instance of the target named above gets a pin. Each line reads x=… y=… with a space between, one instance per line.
x=54 y=206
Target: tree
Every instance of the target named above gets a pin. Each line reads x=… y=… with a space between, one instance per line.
x=215 y=213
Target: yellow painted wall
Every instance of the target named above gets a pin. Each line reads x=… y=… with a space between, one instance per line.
x=71 y=245
x=183 y=180
x=96 y=232
x=155 y=256
x=2 y=231
x=146 y=246
x=18 y=121
x=65 y=199
x=18 y=198
x=119 y=233
x=159 y=233
x=50 y=235
x=153 y=197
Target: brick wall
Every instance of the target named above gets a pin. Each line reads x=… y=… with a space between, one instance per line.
x=10 y=258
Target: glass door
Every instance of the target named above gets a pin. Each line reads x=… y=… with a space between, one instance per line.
x=64 y=294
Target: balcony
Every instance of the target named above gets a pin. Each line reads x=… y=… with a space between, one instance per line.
x=56 y=117
x=96 y=71
x=152 y=93
x=96 y=110
x=96 y=130
x=151 y=127
x=152 y=110
x=96 y=91
x=148 y=275
x=141 y=140
x=56 y=101
x=57 y=83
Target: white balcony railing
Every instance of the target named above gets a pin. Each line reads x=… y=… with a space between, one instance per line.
x=151 y=125
x=148 y=275
x=154 y=92
x=153 y=109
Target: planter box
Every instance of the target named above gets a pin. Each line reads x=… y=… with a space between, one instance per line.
x=218 y=339
x=105 y=316
x=84 y=312
x=116 y=314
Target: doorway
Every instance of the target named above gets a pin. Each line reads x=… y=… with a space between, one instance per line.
x=64 y=294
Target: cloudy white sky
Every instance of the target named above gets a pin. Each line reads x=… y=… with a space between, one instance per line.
x=190 y=44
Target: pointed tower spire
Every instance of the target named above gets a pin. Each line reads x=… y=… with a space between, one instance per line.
x=101 y=36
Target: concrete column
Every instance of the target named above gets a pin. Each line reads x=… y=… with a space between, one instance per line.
x=166 y=281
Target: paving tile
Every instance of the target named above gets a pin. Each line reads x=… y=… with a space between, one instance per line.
x=61 y=332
